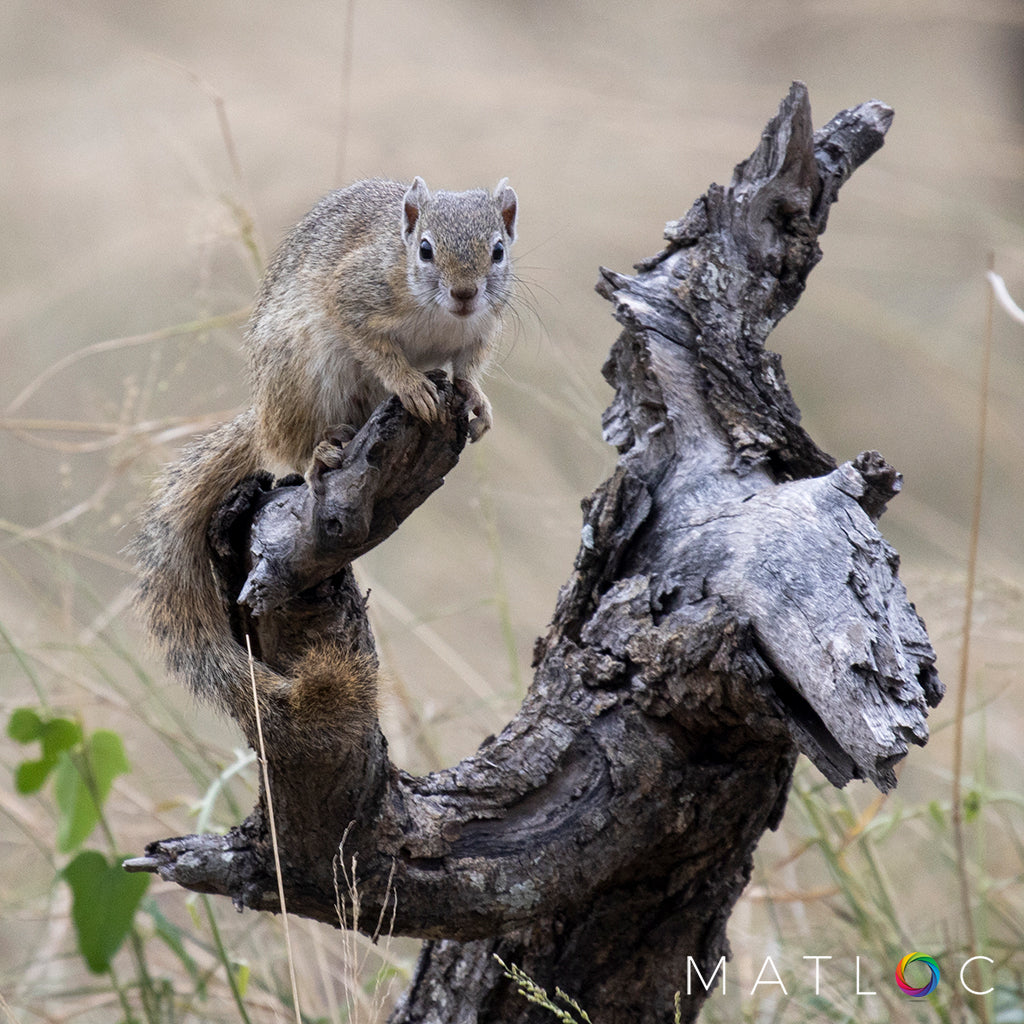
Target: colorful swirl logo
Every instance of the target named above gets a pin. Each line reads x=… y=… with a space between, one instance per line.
x=913 y=958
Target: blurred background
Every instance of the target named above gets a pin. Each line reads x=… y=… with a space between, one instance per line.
x=154 y=154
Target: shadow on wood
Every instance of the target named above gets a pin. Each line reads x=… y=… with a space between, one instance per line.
x=732 y=604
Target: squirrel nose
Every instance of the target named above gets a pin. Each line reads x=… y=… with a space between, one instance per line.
x=463 y=293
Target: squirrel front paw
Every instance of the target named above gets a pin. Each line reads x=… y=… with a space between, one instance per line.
x=476 y=403
x=419 y=396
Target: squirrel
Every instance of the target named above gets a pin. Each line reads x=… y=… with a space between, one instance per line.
x=379 y=282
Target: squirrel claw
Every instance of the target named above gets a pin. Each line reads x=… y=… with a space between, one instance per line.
x=422 y=400
x=478 y=427
x=328 y=455
x=477 y=405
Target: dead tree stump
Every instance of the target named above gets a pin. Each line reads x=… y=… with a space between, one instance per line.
x=732 y=604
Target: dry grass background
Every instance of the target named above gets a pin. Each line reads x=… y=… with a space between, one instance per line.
x=121 y=205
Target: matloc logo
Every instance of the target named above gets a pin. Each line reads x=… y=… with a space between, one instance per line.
x=917 y=958
x=913 y=964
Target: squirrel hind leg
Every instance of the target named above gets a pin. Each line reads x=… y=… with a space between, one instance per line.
x=329 y=454
x=331 y=448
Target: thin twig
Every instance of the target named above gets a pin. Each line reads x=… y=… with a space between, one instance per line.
x=240 y=210
x=273 y=833
x=116 y=344
x=219 y=107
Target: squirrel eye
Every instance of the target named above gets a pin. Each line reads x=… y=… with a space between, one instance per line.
x=426 y=251
x=498 y=252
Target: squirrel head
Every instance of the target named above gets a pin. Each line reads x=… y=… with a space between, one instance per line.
x=457 y=246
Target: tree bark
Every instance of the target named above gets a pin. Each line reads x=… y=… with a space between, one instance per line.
x=732 y=603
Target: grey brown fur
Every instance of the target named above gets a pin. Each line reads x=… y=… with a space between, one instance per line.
x=378 y=283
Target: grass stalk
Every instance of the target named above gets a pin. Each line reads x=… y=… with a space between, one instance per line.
x=122 y=996
x=273 y=836
x=960 y=713
x=222 y=955
x=26 y=667
x=353 y=964
x=345 y=98
x=8 y=1013
x=206 y=323
x=501 y=590
x=570 y=1013
x=972 y=565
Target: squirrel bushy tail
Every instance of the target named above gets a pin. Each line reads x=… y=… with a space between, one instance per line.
x=178 y=593
x=187 y=615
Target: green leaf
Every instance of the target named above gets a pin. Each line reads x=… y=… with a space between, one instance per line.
x=24 y=725
x=60 y=734
x=78 y=810
x=107 y=760
x=82 y=783
x=103 y=905
x=55 y=735
x=31 y=776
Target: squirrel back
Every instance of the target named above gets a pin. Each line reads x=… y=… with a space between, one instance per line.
x=379 y=282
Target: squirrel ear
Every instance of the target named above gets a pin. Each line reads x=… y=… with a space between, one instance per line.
x=415 y=197
x=508 y=204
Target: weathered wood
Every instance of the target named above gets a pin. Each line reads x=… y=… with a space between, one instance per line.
x=732 y=603
x=387 y=470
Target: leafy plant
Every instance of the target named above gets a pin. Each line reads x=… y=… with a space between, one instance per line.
x=83 y=769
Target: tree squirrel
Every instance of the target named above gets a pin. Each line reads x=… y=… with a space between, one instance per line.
x=379 y=282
